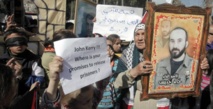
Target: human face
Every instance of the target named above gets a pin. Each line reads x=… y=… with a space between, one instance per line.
x=165 y=28
x=210 y=35
x=16 y=49
x=117 y=45
x=89 y=27
x=139 y=39
x=177 y=43
x=110 y=50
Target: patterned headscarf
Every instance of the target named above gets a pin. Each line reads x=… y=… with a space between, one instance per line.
x=130 y=58
x=131 y=55
x=140 y=26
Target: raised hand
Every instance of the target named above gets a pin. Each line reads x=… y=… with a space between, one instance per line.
x=15 y=66
x=10 y=22
x=55 y=68
x=144 y=67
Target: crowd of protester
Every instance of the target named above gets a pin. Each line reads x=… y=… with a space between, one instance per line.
x=22 y=73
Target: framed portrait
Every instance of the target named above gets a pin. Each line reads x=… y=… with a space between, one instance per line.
x=84 y=14
x=176 y=40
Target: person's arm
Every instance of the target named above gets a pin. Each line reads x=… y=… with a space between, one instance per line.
x=10 y=22
x=46 y=59
x=126 y=79
x=38 y=73
x=52 y=94
x=55 y=68
x=204 y=64
x=16 y=67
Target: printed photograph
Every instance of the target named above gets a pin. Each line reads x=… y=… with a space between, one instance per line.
x=175 y=52
x=85 y=13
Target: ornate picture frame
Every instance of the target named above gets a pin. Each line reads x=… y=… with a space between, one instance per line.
x=175 y=44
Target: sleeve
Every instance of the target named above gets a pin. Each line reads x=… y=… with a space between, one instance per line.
x=24 y=100
x=46 y=59
x=38 y=73
x=48 y=104
x=120 y=66
x=123 y=80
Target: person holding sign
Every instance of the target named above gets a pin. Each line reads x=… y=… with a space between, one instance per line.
x=53 y=96
x=131 y=67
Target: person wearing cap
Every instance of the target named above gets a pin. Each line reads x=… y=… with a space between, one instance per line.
x=16 y=49
x=70 y=26
x=131 y=67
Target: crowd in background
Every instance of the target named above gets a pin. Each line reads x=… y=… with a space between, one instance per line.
x=23 y=75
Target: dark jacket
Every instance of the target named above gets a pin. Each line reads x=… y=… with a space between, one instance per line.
x=32 y=69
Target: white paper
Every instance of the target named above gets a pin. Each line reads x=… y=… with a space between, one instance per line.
x=119 y=20
x=85 y=62
x=157 y=2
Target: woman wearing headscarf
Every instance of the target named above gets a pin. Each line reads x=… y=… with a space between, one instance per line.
x=132 y=66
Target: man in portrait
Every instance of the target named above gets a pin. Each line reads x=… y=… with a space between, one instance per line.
x=165 y=30
x=175 y=69
x=87 y=25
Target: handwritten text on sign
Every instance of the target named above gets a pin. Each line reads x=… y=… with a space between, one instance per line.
x=117 y=20
x=84 y=63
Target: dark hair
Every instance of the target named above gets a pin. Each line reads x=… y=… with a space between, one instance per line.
x=6 y=83
x=89 y=17
x=69 y=25
x=62 y=34
x=48 y=42
x=113 y=37
x=20 y=32
x=177 y=28
x=209 y=57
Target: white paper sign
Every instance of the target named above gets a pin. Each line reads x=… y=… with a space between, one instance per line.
x=119 y=20
x=85 y=62
x=157 y=2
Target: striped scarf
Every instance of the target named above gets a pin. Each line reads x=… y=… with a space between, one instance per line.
x=131 y=57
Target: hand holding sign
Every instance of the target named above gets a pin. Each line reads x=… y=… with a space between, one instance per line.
x=55 y=68
x=84 y=63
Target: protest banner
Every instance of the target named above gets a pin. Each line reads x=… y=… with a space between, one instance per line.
x=119 y=20
x=84 y=63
